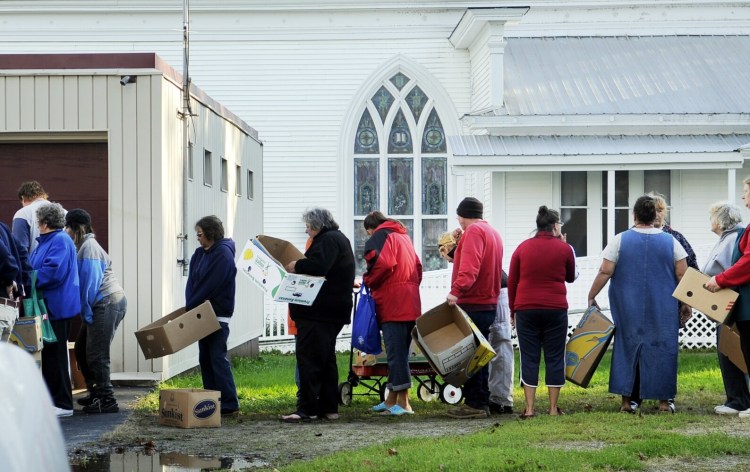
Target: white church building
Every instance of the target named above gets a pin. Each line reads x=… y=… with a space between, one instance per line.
x=407 y=107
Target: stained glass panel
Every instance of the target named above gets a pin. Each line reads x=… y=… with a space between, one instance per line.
x=366 y=139
x=431 y=232
x=366 y=185
x=360 y=238
x=399 y=80
x=400 y=189
x=433 y=139
x=383 y=101
x=399 y=139
x=434 y=186
x=416 y=101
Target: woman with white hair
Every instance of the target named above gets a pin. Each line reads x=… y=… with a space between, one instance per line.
x=330 y=255
x=726 y=223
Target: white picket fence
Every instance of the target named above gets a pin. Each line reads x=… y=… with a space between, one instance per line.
x=700 y=331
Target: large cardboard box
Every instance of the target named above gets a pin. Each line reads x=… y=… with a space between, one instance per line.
x=364 y=359
x=729 y=345
x=264 y=259
x=190 y=408
x=692 y=291
x=177 y=330
x=586 y=346
x=452 y=343
x=27 y=333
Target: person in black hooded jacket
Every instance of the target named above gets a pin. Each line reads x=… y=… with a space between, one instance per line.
x=330 y=255
x=212 y=278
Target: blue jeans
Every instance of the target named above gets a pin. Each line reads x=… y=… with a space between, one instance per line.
x=215 y=367
x=542 y=330
x=94 y=341
x=476 y=390
x=397 y=338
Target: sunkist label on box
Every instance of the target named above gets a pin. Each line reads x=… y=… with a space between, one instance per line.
x=190 y=408
x=266 y=270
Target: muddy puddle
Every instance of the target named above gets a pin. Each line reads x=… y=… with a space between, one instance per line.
x=161 y=462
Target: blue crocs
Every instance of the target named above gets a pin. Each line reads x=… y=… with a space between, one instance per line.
x=396 y=410
x=380 y=407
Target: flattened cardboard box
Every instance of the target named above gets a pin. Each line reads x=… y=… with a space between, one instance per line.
x=453 y=345
x=190 y=408
x=691 y=290
x=177 y=330
x=27 y=333
x=586 y=346
x=729 y=345
x=264 y=260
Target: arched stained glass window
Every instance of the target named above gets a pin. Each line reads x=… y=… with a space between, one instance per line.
x=403 y=179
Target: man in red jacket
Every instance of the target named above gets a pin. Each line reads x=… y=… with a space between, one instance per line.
x=475 y=287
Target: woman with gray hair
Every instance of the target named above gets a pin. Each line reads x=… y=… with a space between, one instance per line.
x=330 y=255
x=54 y=261
x=726 y=223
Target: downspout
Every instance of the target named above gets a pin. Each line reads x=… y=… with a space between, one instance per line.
x=186 y=115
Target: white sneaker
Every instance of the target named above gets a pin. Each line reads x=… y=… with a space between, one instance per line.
x=744 y=414
x=725 y=410
x=62 y=412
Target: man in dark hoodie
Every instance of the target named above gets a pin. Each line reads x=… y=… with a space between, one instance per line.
x=212 y=278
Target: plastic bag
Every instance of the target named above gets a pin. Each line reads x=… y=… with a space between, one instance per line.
x=365 y=329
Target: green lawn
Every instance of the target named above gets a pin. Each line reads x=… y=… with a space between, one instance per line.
x=591 y=436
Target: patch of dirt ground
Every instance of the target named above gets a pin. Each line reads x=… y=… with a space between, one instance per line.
x=271 y=442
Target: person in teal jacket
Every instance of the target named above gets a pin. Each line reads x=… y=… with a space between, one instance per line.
x=54 y=261
x=103 y=306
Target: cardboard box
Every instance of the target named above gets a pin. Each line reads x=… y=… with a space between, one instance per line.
x=453 y=345
x=177 y=330
x=692 y=291
x=586 y=346
x=27 y=333
x=263 y=260
x=729 y=345
x=363 y=359
x=190 y=408
x=77 y=380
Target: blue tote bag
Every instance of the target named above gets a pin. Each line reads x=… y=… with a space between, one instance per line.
x=365 y=329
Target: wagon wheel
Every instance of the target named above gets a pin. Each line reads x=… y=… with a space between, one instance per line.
x=428 y=391
x=345 y=393
x=384 y=391
x=450 y=394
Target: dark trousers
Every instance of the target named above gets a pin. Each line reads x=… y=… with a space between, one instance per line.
x=318 y=372
x=94 y=341
x=216 y=370
x=397 y=339
x=55 y=366
x=476 y=390
x=542 y=330
x=735 y=382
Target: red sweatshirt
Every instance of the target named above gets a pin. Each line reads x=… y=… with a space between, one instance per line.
x=539 y=268
x=477 y=270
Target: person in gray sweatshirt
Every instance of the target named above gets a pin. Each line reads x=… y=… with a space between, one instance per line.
x=103 y=306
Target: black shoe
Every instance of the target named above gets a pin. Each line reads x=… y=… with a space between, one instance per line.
x=230 y=412
x=87 y=400
x=102 y=405
x=497 y=409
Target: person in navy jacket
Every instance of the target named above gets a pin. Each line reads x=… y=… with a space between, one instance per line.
x=212 y=278
x=54 y=260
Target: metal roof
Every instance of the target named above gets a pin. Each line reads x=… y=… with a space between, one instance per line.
x=593 y=145
x=627 y=75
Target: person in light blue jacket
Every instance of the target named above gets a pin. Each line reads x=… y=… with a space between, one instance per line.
x=54 y=261
x=103 y=306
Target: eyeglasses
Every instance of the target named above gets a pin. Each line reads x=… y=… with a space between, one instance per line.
x=560 y=223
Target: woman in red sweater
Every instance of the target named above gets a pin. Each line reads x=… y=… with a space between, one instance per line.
x=394 y=273
x=539 y=268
